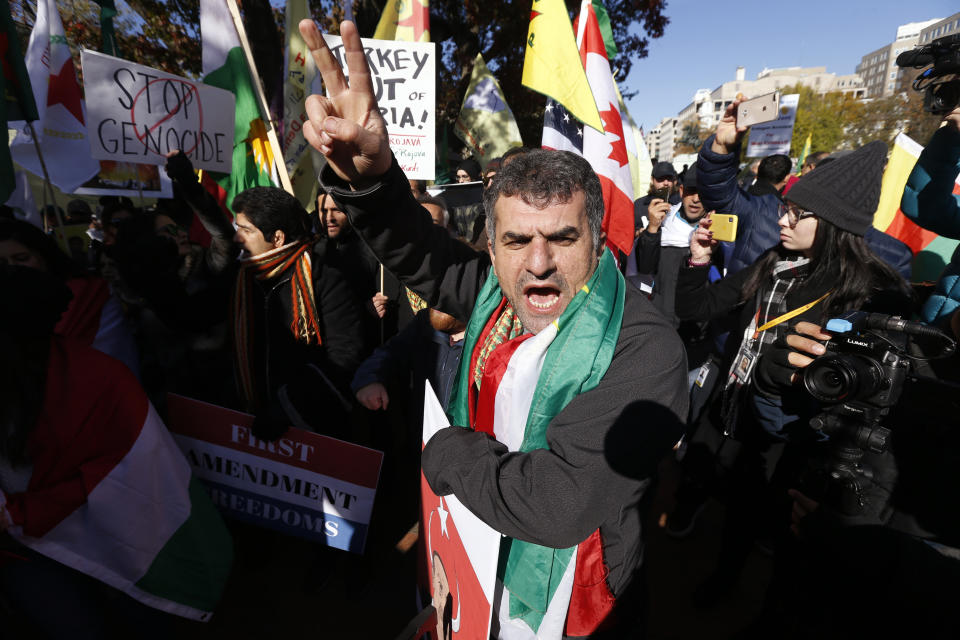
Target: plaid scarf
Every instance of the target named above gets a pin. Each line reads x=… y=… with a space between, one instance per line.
x=294 y=260
x=416 y=302
x=787 y=276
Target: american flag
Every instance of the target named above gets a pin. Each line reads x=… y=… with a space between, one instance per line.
x=561 y=131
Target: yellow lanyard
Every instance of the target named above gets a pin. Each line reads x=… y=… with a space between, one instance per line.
x=787 y=315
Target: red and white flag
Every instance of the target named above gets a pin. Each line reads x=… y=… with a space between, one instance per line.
x=607 y=151
x=61 y=132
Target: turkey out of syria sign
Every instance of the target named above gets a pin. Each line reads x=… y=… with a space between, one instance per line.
x=404 y=82
x=139 y=114
x=304 y=484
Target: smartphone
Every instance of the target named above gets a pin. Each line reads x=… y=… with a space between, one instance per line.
x=724 y=227
x=663 y=193
x=766 y=108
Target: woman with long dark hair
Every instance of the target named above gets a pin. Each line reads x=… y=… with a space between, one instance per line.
x=821 y=268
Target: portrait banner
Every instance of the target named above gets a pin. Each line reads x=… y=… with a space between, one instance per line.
x=304 y=484
x=138 y=114
x=404 y=82
x=460 y=550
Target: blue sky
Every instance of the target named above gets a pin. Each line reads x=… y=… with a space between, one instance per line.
x=705 y=42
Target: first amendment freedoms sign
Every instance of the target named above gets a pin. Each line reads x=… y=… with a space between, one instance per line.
x=304 y=484
x=139 y=114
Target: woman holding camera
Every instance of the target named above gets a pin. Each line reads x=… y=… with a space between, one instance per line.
x=821 y=268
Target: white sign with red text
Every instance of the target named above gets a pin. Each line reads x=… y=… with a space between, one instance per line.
x=404 y=82
x=304 y=484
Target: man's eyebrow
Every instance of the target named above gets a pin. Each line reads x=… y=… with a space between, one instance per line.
x=513 y=236
x=564 y=233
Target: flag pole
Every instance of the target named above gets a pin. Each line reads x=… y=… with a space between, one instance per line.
x=281 y=166
x=381 y=293
x=47 y=185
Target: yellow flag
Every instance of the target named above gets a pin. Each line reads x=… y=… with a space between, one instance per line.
x=905 y=153
x=552 y=63
x=407 y=20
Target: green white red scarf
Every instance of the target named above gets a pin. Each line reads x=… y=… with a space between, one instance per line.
x=291 y=260
x=575 y=358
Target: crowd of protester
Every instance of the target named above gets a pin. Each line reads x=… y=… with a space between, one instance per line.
x=289 y=315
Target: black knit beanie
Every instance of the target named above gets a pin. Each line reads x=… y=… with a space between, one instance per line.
x=845 y=192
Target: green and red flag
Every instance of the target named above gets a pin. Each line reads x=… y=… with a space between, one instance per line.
x=225 y=66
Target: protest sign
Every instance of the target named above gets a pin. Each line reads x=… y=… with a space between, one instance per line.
x=404 y=82
x=460 y=551
x=138 y=114
x=304 y=484
x=128 y=179
x=773 y=137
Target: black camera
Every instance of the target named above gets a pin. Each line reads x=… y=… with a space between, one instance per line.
x=941 y=82
x=859 y=380
x=861 y=371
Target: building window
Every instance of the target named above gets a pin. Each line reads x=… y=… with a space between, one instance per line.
x=893 y=75
x=716 y=106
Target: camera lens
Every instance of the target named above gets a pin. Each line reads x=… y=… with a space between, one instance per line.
x=943 y=98
x=842 y=378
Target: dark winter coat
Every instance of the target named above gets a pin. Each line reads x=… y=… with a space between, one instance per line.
x=757 y=228
x=603 y=446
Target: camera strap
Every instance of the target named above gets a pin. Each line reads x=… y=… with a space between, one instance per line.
x=788 y=315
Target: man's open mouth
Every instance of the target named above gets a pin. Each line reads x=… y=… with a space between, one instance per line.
x=542 y=298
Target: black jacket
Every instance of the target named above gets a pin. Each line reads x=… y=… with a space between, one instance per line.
x=361 y=271
x=604 y=444
x=278 y=358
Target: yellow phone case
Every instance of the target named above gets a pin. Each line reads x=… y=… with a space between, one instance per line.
x=724 y=227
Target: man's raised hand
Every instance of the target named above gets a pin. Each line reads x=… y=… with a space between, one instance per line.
x=346 y=125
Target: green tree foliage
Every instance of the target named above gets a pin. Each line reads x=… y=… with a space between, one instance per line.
x=822 y=115
x=498 y=30
x=839 y=121
x=165 y=34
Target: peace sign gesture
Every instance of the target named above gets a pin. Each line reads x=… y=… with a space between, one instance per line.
x=346 y=125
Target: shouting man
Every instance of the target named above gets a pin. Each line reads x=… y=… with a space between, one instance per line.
x=571 y=385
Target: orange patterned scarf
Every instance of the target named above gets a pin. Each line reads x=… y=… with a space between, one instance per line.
x=292 y=259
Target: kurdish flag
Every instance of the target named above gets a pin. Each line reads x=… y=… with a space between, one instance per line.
x=225 y=66
x=486 y=123
x=110 y=494
x=551 y=64
x=931 y=251
x=407 y=20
